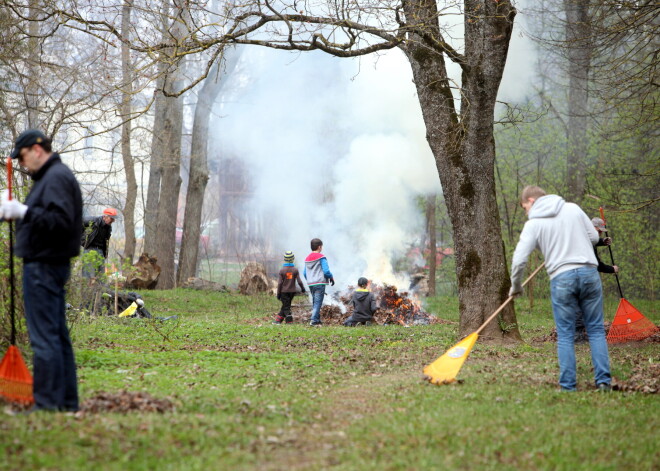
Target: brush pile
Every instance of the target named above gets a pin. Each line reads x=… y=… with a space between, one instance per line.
x=394 y=308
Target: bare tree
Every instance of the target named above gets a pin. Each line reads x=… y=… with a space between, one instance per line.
x=579 y=53
x=199 y=174
x=126 y=110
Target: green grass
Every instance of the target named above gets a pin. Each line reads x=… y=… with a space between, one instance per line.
x=253 y=396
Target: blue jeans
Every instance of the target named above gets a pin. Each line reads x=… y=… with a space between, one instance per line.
x=573 y=291
x=317 y=292
x=55 y=386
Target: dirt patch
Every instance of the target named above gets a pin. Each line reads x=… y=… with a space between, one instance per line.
x=313 y=445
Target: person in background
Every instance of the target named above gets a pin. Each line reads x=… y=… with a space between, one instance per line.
x=364 y=305
x=96 y=238
x=286 y=288
x=599 y=225
x=48 y=232
x=317 y=274
x=565 y=236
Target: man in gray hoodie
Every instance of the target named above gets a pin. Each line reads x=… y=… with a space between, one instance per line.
x=565 y=236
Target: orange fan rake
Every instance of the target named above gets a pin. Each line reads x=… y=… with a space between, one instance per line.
x=15 y=378
x=628 y=324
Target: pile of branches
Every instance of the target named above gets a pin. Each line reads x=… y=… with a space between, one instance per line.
x=394 y=308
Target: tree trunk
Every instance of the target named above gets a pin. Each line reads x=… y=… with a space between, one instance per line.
x=155 y=165
x=431 y=203
x=158 y=143
x=33 y=74
x=170 y=183
x=199 y=173
x=464 y=150
x=579 y=51
x=129 y=168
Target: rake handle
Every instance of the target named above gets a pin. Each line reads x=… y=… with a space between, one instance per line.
x=508 y=300
x=616 y=275
x=11 y=259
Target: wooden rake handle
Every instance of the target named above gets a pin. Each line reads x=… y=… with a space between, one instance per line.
x=508 y=300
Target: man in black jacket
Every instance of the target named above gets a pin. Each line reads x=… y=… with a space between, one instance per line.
x=48 y=235
x=96 y=238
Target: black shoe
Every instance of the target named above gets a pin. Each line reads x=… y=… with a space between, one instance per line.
x=604 y=387
x=289 y=319
x=315 y=324
x=278 y=320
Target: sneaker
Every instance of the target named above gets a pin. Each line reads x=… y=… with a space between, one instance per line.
x=289 y=319
x=278 y=320
x=604 y=387
x=316 y=323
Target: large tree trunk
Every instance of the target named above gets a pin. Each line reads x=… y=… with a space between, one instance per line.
x=170 y=183
x=158 y=144
x=199 y=173
x=155 y=166
x=129 y=168
x=579 y=52
x=464 y=150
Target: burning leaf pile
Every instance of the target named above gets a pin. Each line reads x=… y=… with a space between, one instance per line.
x=393 y=308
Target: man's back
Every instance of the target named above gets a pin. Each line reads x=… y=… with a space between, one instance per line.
x=561 y=231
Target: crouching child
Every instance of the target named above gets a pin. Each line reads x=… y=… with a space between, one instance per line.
x=364 y=305
x=286 y=288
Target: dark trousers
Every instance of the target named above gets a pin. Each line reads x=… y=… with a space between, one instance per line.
x=55 y=384
x=286 y=299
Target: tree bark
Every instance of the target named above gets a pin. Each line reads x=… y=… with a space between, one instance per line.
x=464 y=150
x=170 y=182
x=33 y=58
x=129 y=167
x=158 y=143
x=199 y=173
x=579 y=52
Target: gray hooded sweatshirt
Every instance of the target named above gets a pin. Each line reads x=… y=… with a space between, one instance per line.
x=562 y=232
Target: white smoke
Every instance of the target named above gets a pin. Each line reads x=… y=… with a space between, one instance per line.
x=336 y=149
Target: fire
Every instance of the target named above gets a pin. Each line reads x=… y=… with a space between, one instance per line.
x=394 y=307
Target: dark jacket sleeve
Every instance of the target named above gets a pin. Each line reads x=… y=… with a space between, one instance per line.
x=603 y=268
x=374 y=304
x=280 y=282
x=55 y=212
x=300 y=283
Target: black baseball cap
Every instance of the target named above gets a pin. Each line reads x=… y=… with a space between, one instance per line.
x=27 y=139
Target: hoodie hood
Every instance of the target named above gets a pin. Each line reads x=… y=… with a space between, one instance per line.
x=361 y=295
x=547 y=206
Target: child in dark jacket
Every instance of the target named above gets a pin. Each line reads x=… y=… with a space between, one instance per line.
x=286 y=288
x=364 y=305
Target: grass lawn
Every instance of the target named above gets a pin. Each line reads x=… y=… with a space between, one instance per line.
x=248 y=395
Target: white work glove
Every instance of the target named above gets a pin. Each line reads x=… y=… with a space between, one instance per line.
x=515 y=291
x=12 y=209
